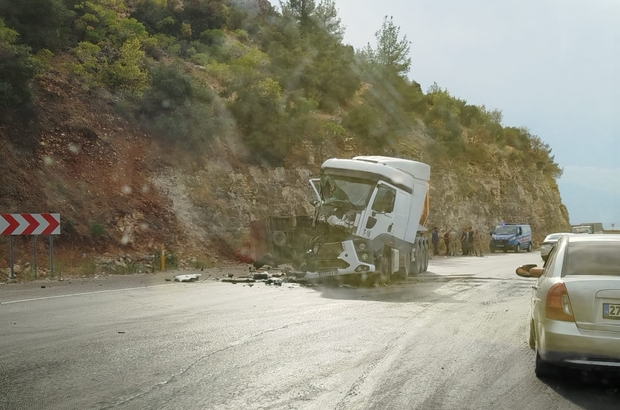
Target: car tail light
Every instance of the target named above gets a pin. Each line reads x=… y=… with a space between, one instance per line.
x=558 y=304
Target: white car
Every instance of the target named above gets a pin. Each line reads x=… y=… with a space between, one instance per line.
x=575 y=312
x=549 y=243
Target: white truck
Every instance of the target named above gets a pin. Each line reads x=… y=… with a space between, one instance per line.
x=589 y=228
x=370 y=220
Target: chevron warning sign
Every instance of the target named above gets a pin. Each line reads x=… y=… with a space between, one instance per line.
x=29 y=224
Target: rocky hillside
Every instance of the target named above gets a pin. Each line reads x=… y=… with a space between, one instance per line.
x=175 y=124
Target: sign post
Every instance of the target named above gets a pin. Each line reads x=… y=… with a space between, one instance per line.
x=30 y=224
x=51 y=256
x=163 y=259
x=12 y=275
x=34 y=255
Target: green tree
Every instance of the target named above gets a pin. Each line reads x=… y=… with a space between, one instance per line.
x=301 y=11
x=391 y=54
x=327 y=19
x=17 y=69
x=42 y=24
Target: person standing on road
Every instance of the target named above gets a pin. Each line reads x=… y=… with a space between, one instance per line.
x=454 y=237
x=446 y=241
x=477 y=243
x=470 y=241
x=464 y=241
x=435 y=241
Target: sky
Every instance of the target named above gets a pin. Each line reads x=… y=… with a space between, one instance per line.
x=552 y=66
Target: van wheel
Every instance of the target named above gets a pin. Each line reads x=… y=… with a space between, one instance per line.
x=529 y=247
x=517 y=248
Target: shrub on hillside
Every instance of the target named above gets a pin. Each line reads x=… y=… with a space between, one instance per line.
x=17 y=69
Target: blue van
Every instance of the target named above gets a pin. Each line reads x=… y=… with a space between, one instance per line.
x=514 y=237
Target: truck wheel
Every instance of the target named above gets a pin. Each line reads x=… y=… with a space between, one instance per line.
x=405 y=270
x=279 y=238
x=417 y=251
x=384 y=274
x=425 y=257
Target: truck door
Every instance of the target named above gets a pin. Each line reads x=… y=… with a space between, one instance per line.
x=380 y=218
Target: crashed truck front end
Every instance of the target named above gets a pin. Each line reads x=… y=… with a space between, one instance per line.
x=365 y=220
x=336 y=248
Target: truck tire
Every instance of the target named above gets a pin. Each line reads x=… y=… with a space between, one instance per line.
x=384 y=271
x=425 y=257
x=417 y=265
x=279 y=238
x=405 y=270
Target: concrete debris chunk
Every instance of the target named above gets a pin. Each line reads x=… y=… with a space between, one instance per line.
x=238 y=280
x=187 y=278
x=275 y=282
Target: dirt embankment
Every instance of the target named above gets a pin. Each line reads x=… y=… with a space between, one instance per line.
x=120 y=192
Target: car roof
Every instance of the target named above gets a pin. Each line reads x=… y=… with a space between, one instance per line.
x=601 y=237
x=559 y=233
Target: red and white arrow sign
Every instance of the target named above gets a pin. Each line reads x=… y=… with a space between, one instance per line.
x=29 y=224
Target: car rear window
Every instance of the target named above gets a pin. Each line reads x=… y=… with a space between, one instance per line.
x=592 y=258
x=553 y=237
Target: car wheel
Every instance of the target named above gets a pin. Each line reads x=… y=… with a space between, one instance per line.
x=544 y=369
x=517 y=248
x=532 y=337
x=529 y=247
x=492 y=250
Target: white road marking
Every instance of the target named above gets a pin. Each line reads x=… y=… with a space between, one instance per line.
x=78 y=294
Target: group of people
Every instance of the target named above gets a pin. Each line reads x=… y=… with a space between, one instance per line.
x=470 y=238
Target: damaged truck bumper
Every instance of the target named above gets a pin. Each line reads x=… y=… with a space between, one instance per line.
x=350 y=260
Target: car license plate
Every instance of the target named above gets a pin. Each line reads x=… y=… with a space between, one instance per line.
x=328 y=273
x=611 y=311
x=499 y=245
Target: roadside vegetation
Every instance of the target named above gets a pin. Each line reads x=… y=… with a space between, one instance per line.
x=190 y=71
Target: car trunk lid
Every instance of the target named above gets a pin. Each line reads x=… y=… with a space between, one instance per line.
x=595 y=301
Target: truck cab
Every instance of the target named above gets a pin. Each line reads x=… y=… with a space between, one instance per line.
x=587 y=229
x=370 y=216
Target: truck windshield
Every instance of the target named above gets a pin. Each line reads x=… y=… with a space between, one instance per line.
x=505 y=230
x=353 y=190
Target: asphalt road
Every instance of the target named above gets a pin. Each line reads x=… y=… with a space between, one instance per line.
x=455 y=338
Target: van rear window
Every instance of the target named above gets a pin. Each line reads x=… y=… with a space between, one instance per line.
x=592 y=258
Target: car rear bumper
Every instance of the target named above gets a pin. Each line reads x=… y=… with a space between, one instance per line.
x=565 y=344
